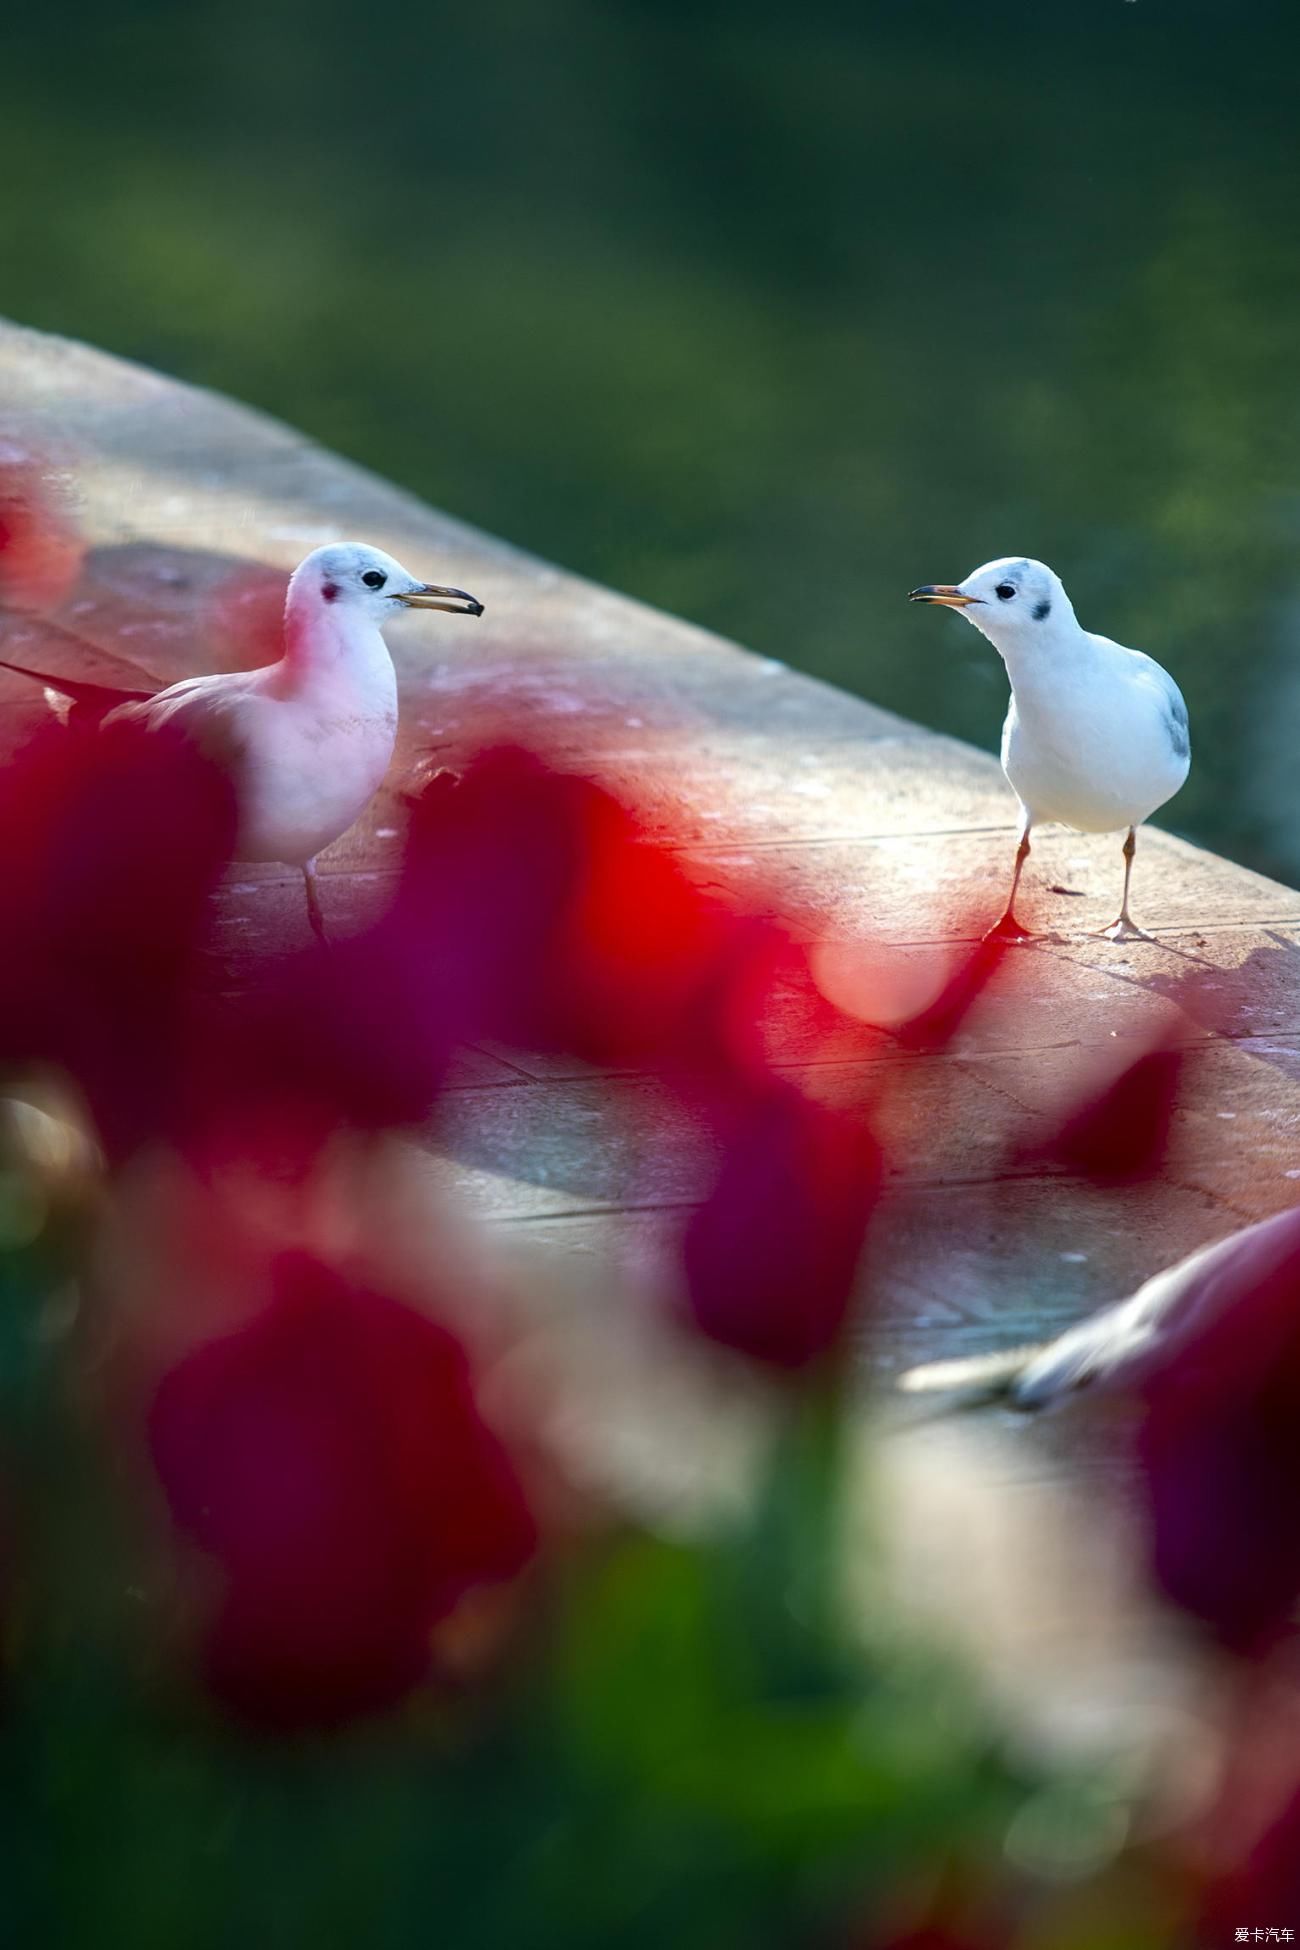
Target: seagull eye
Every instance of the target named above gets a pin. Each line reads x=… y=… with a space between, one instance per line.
x=1004 y=589
x=374 y=578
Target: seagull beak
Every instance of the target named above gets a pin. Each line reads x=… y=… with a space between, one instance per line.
x=946 y=593
x=436 y=595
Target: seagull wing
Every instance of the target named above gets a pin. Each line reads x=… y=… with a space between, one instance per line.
x=90 y=702
x=1155 y=679
x=213 y=711
x=1171 y=701
x=1117 y=1348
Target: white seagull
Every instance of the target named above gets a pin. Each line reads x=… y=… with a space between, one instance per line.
x=308 y=739
x=1117 y=1349
x=1096 y=736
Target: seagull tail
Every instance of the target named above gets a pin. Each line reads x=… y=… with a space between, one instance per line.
x=96 y=698
x=974 y=1381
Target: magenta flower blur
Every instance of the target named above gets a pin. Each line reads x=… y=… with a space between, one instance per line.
x=331 y=1458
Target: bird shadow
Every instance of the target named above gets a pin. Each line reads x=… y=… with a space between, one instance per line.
x=1258 y=997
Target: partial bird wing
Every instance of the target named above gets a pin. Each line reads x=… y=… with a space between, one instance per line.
x=212 y=711
x=209 y=710
x=91 y=702
x=1119 y=1347
x=1163 y=689
x=1172 y=702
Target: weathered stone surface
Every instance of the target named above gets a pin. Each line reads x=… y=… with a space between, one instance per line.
x=921 y=885
x=856 y=827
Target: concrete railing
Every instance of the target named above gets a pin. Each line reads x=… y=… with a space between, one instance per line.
x=195 y=508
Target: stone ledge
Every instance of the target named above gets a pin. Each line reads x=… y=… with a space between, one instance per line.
x=854 y=822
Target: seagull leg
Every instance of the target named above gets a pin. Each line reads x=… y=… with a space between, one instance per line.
x=314 y=914
x=1126 y=928
x=1009 y=928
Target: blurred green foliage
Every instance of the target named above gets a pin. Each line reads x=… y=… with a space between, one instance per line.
x=762 y=312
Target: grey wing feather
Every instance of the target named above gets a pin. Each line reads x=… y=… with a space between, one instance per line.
x=1120 y=1346
x=1174 y=704
x=1171 y=698
x=1179 y=734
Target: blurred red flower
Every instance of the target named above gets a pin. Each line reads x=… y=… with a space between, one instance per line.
x=771 y=1255
x=1123 y=1135
x=110 y=844
x=530 y=910
x=331 y=1456
x=1220 y=1448
x=934 y=1026
x=547 y=919
x=493 y=864
x=1245 y=1855
x=1266 y=1884
x=1117 y=1131
x=364 y=1030
x=759 y=1002
x=641 y=959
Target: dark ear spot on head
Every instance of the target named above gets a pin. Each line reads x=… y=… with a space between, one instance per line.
x=329 y=590
x=1041 y=610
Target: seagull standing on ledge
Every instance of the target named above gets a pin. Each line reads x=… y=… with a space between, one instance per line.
x=1096 y=736
x=308 y=739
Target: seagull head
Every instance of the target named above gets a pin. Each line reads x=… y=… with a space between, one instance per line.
x=350 y=577
x=1018 y=603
